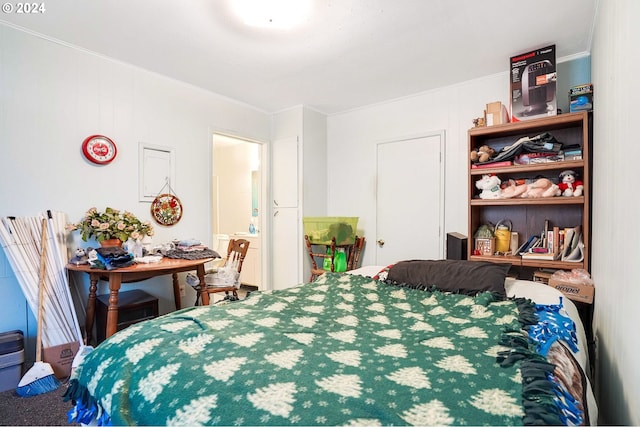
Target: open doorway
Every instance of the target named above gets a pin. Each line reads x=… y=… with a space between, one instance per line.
x=237 y=186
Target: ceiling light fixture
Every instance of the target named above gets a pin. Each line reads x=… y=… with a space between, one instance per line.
x=278 y=14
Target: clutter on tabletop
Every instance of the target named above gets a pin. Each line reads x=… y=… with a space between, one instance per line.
x=190 y=249
x=111 y=224
x=110 y=258
x=141 y=252
x=189 y=245
x=184 y=249
x=79 y=257
x=148 y=259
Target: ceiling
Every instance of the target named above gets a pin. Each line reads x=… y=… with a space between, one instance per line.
x=346 y=54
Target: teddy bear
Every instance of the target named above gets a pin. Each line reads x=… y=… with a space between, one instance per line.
x=569 y=184
x=482 y=154
x=490 y=186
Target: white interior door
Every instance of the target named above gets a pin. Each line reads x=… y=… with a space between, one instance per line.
x=410 y=199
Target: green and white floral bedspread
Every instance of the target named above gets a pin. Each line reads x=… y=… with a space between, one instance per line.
x=344 y=350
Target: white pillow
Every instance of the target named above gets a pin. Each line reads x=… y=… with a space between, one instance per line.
x=368 y=271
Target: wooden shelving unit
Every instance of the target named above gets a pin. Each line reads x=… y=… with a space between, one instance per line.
x=528 y=215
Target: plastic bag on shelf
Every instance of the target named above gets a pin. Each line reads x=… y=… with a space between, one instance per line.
x=578 y=276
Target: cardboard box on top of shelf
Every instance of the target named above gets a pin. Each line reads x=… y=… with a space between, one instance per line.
x=533 y=84
x=496 y=114
x=581 y=98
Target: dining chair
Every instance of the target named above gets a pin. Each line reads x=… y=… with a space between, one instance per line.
x=226 y=278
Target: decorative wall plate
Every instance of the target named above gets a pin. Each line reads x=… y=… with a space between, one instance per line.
x=166 y=209
x=99 y=149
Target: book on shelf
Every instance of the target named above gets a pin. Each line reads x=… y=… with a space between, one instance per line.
x=539 y=244
x=560 y=244
x=573 y=152
x=543 y=247
x=573 y=247
x=540 y=253
x=543 y=157
x=491 y=165
x=528 y=244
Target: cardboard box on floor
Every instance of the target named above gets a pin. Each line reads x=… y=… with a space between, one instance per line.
x=574 y=291
x=60 y=358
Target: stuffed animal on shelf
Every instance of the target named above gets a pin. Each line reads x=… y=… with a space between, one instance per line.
x=490 y=186
x=482 y=154
x=512 y=189
x=541 y=187
x=479 y=122
x=569 y=184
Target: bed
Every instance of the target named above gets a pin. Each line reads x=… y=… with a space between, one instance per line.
x=418 y=343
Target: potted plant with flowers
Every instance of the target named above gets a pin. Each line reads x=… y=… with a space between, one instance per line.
x=111 y=227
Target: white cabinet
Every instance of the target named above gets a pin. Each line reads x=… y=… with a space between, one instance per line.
x=252 y=267
x=286 y=248
x=285 y=221
x=298 y=187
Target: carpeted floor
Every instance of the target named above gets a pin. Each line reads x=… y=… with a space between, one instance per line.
x=46 y=409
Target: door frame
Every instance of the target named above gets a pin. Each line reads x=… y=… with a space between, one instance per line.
x=264 y=225
x=441 y=190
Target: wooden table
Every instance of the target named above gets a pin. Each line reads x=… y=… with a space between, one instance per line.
x=129 y=274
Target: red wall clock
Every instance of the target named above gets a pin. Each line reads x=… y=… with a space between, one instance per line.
x=99 y=149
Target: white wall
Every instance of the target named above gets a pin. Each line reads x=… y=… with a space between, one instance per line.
x=352 y=139
x=314 y=154
x=53 y=96
x=616 y=227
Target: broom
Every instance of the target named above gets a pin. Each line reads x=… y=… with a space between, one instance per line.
x=40 y=378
